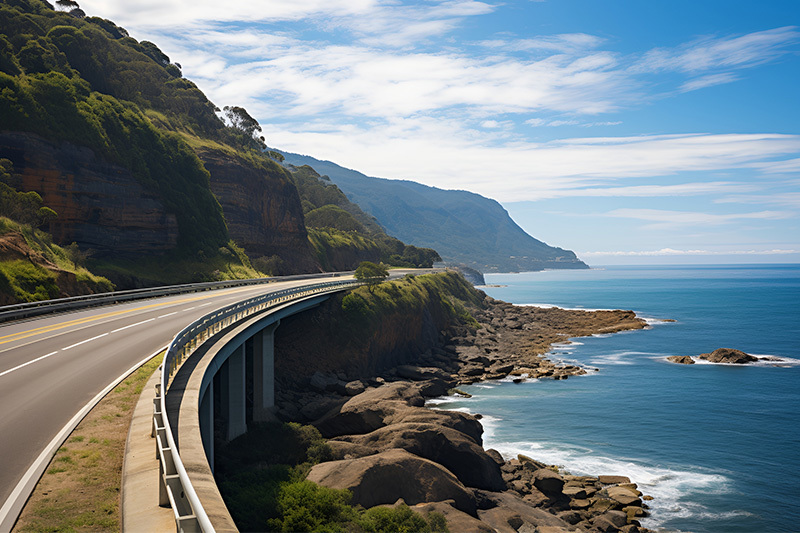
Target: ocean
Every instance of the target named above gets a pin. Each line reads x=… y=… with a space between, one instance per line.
x=717 y=446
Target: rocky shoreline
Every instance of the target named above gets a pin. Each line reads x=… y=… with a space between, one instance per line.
x=389 y=448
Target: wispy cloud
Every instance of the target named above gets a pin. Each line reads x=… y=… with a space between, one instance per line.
x=566 y=43
x=663 y=219
x=708 y=81
x=732 y=52
x=665 y=252
x=785 y=199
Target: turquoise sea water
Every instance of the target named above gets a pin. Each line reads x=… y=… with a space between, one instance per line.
x=718 y=446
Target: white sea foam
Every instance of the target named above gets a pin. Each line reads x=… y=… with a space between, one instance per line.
x=656 y=321
x=619 y=358
x=674 y=489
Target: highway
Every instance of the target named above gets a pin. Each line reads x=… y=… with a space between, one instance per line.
x=52 y=366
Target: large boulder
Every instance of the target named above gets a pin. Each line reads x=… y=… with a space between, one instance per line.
x=367 y=411
x=681 y=359
x=728 y=355
x=387 y=476
x=452 y=449
x=548 y=481
x=457 y=521
x=508 y=513
x=393 y=403
x=421 y=373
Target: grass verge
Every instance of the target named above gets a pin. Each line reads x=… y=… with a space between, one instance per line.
x=80 y=490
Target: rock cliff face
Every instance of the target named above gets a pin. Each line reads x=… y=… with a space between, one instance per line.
x=100 y=206
x=262 y=210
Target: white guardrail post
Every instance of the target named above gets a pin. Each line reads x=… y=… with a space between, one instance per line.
x=175 y=487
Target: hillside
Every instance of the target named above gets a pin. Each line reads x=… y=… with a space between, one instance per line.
x=148 y=179
x=143 y=174
x=343 y=235
x=462 y=226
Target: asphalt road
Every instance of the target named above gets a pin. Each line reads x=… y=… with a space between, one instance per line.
x=52 y=366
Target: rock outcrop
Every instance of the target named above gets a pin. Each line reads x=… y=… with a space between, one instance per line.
x=100 y=206
x=262 y=210
x=728 y=355
x=384 y=477
x=681 y=359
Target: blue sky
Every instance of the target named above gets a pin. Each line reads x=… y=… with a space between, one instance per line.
x=629 y=131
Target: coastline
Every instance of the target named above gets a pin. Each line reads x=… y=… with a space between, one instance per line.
x=381 y=415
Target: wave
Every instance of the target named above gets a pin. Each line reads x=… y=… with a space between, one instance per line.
x=620 y=358
x=675 y=489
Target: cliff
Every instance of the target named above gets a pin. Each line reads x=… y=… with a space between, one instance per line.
x=364 y=333
x=262 y=209
x=108 y=132
x=100 y=206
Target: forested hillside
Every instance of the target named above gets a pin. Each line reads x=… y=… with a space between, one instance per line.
x=343 y=235
x=149 y=179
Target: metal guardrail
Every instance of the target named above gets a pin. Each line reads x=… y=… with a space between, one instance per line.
x=29 y=309
x=175 y=487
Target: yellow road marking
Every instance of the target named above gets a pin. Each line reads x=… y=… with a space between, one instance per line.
x=54 y=327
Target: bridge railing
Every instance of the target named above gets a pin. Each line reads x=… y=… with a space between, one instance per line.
x=175 y=487
x=29 y=309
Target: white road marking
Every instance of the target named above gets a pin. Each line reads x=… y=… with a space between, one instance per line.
x=10 y=370
x=169 y=314
x=83 y=342
x=132 y=325
x=190 y=308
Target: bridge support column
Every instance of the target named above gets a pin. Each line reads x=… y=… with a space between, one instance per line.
x=264 y=374
x=207 y=423
x=236 y=412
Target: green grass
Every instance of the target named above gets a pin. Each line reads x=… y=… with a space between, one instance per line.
x=227 y=263
x=26 y=281
x=80 y=489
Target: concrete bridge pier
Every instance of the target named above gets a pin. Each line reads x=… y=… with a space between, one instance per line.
x=226 y=394
x=264 y=373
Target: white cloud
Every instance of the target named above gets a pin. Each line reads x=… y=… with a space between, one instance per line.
x=708 y=81
x=681 y=189
x=663 y=219
x=725 y=52
x=565 y=43
x=672 y=252
x=785 y=199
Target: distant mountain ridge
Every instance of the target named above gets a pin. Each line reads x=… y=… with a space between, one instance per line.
x=463 y=227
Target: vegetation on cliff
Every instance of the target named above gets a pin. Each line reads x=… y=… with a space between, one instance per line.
x=82 y=80
x=70 y=79
x=367 y=331
x=32 y=268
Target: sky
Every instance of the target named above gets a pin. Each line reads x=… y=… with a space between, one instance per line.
x=628 y=131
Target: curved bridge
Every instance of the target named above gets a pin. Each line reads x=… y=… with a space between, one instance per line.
x=54 y=368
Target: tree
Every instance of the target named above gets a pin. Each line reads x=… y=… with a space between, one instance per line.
x=371 y=273
x=240 y=119
x=67 y=5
